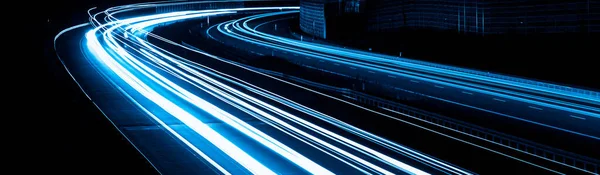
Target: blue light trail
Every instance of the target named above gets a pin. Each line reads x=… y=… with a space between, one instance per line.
x=156 y=79
x=118 y=44
x=429 y=72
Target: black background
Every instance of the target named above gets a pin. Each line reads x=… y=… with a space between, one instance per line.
x=75 y=137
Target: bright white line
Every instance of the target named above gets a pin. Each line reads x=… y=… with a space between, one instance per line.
x=180 y=113
x=201 y=128
x=533 y=107
x=499 y=100
x=464 y=92
x=244 y=127
x=577 y=117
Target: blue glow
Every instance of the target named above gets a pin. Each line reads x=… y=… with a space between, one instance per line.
x=155 y=72
x=115 y=63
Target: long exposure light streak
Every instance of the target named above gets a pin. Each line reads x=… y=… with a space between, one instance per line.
x=201 y=128
x=121 y=61
x=156 y=79
x=303 y=122
x=405 y=63
x=367 y=135
x=289 y=46
x=394 y=162
x=338 y=123
x=170 y=42
x=329 y=119
x=394 y=62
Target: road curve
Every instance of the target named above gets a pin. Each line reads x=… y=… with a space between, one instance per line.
x=209 y=114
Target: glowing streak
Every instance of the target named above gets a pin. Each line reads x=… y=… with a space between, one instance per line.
x=381 y=156
x=239 y=124
x=411 y=64
x=328 y=134
x=401 y=61
x=215 y=138
x=227 y=94
x=366 y=65
x=362 y=135
x=233 y=121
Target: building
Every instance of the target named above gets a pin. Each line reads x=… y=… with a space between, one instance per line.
x=312 y=17
x=479 y=17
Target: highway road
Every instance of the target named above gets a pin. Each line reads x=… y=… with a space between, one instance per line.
x=190 y=111
x=231 y=53
x=550 y=116
x=214 y=117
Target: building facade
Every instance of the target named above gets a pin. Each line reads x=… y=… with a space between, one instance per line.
x=479 y=17
x=313 y=17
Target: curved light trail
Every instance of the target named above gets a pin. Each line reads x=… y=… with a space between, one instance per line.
x=169 y=87
x=578 y=104
x=119 y=45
